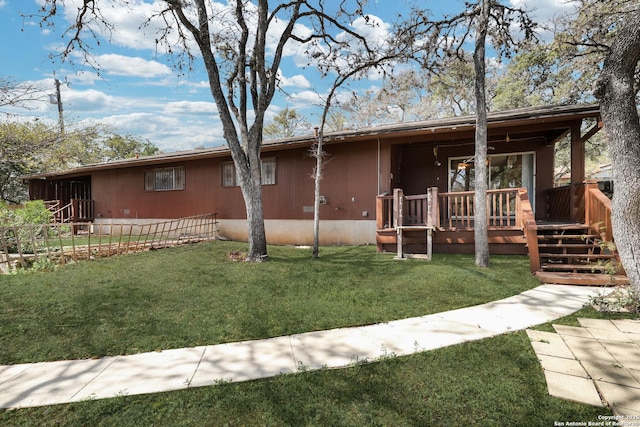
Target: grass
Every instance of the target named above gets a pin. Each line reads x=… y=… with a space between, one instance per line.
x=194 y=295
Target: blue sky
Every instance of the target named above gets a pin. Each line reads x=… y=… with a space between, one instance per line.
x=138 y=92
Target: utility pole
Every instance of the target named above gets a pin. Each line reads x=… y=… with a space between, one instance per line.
x=57 y=99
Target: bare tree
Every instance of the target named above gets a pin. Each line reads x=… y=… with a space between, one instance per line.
x=616 y=90
x=21 y=95
x=367 y=108
x=351 y=59
x=242 y=45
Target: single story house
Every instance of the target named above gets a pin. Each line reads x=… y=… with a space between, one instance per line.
x=429 y=160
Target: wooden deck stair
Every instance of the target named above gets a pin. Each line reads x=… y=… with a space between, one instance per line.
x=573 y=254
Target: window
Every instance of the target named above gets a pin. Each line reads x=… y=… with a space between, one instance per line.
x=164 y=179
x=511 y=170
x=268 y=175
x=268 y=169
x=229 y=178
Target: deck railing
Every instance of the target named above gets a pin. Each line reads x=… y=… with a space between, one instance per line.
x=530 y=229
x=597 y=211
x=457 y=209
x=77 y=210
x=21 y=246
x=559 y=203
x=566 y=203
x=384 y=212
x=449 y=211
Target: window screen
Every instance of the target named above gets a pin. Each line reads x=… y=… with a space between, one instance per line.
x=164 y=179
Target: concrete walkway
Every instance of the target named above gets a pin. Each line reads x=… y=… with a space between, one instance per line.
x=600 y=360
x=49 y=383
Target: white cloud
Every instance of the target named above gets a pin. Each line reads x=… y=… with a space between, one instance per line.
x=543 y=11
x=120 y=65
x=85 y=78
x=306 y=99
x=298 y=81
x=181 y=115
x=374 y=30
x=90 y=100
x=191 y=108
x=127 y=22
x=169 y=133
x=202 y=84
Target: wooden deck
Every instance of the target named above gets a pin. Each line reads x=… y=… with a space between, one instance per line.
x=561 y=252
x=585 y=279
x=451 y=218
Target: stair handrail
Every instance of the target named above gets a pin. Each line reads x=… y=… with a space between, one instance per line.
x=64 y=213
x=597 y=211
x=529 y=228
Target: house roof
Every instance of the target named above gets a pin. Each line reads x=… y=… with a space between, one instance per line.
x=435 y=127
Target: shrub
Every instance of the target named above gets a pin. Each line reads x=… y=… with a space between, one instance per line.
x=32 y=213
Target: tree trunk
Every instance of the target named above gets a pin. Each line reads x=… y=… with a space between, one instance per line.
x=480 y=224
x=251 y=186
x=255 y=222
x=316 y=205
x=615 y=90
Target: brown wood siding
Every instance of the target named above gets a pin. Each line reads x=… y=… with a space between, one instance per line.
x=417 y=170
x=350 y=182
x=120 y=193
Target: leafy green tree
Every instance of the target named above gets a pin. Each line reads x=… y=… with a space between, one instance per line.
x=452 y=88
x=336 y=121
x=32 y=212
x=585 y=37
x=540 y=75
x=537 y=76
x=287 y=123
x=34 y=147
x=24 y=148
x=117 y=147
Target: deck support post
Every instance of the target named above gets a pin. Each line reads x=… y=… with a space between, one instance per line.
x=577 y=167
x=398 y=203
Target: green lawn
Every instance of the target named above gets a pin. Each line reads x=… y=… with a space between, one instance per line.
x=193 y=295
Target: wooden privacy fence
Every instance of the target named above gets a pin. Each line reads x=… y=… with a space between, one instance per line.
x=23 y=245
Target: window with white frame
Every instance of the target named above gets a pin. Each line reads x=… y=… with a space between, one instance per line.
x=509 y=170
x=268 y=169
x=229 y=178
x=268 y=172
x=164 y=179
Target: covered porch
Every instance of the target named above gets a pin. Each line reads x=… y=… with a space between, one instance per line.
x=68 y=198
x=565 y=230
